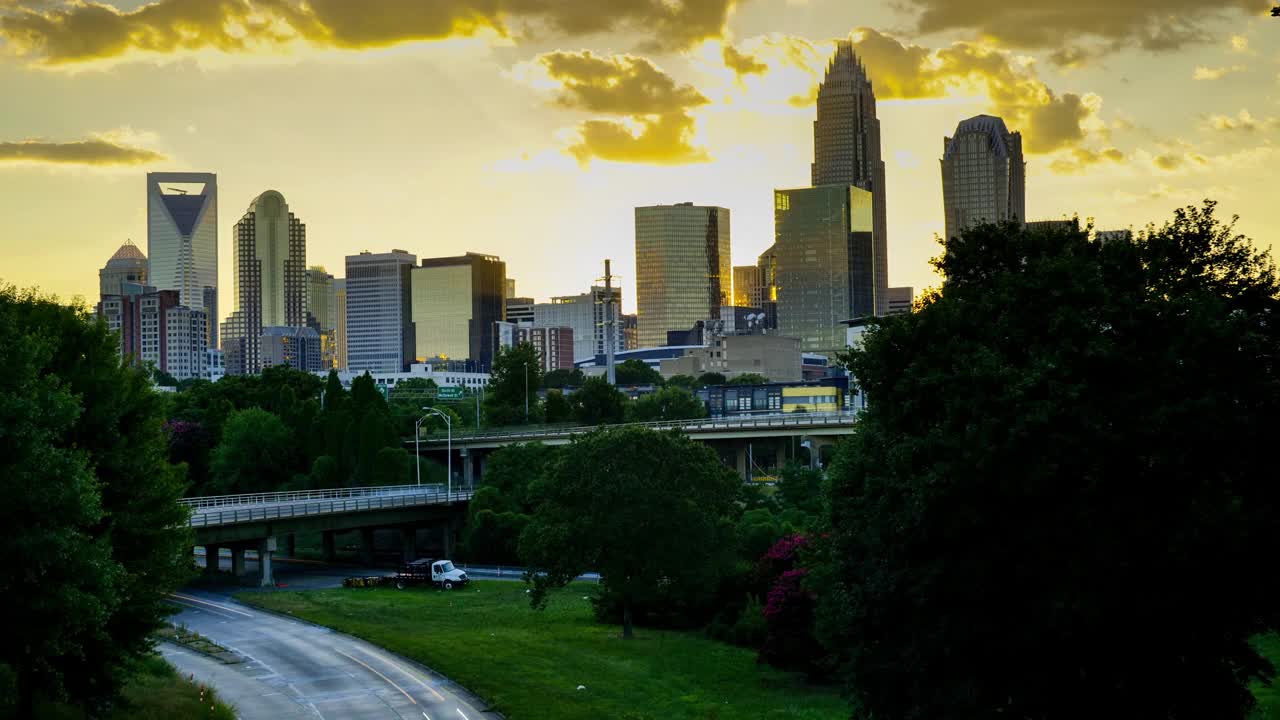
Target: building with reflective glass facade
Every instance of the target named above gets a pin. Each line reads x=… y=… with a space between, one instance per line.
x=683 y=271
x=747 y=290
x=322 y=304
x=983 y=174
x=269 y=263
x=846 y=148
x=340 y=322
x=824 y=260
x=182 y=240
x=379 y=335
x=455 y=302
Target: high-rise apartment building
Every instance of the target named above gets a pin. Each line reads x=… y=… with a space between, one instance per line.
x=340 y=322
x=747 y=291
x=269 y=273
x=682 y=267
x=983 y=174
x=455 y=302
x=825 y=263
x=322 y=305
x=585 y=315
x=846 y=150
x=554 y=345
x=182 y=240
x=127 y=265
x=379 y=332
x=155 y=329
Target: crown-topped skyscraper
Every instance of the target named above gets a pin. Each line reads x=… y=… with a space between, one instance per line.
x=846 y=148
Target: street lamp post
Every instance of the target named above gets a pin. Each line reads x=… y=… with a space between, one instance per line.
x=417 y=433
x=526 y=393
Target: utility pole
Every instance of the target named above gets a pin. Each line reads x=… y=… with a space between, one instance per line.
x=609 y=323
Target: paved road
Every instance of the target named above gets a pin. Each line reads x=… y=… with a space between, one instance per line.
x=296 y=670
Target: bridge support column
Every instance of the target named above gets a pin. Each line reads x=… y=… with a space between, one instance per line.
x=265 y=548
x=237 y=561
x=468 y=468
x=329 y=547
x=211 y=561
x=366 y=546
x=409 y=543
x=446 y=541
x=291 y=545
x=744 y=471
x=782 y=456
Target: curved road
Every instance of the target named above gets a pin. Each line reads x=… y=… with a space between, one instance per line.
x=293 y=669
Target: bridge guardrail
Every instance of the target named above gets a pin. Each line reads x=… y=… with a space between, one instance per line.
x=792 y=419
x=322 y=506
x=300 y=495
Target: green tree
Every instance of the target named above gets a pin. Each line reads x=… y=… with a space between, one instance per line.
x=636 y=372
x=686 y=382
x=669 y=403
x=563 y=378
x=516 y=377
x=748 y=379
x=598 y=403
x=646 y=509
x=800 y=486
x=392 y=466
x=711 y=378
x=499 y=510
x=557 y=407
x=255 y=455
x=1062 y=495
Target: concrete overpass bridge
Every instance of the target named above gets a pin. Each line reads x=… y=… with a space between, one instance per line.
x=743 y=442
x=256 y=521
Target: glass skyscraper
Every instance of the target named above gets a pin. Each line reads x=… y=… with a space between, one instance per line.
x=683 y=270
x=983 y=174
x=456 y=301
x=379 y=335
x=846 y=151
x=322 y=301
x=182 y=240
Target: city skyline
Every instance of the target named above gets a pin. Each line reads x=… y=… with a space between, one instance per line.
x=731 y=98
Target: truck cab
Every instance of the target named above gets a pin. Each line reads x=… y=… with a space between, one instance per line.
x=444 y=574
x=441 y=573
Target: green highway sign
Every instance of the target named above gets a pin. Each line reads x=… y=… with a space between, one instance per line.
x=449 y=393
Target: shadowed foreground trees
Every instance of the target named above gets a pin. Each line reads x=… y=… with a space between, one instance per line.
x=1061 y=501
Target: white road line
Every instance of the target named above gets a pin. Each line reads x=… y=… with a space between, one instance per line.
x=228 y=608
x=366 y=666
x=464 y=715
x=203 y=609
x=412 y=675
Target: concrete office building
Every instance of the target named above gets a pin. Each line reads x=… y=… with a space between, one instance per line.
x=585 y=315
x=155 y=329
x=683 y=270
x=340 y=323
x=322 y=311
x=455 y=302
x=182 y=240
x=127 y=265
x=900 y=300
x=983 y=174
x=520 y=310
x=379 y=332
x=297 y=347
x=269 y=274
x=846 y=151
x=825 y=273
x=773 y=356
x=747 y=290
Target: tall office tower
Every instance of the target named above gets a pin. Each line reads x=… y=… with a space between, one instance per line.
x=509 y=289
x=340 y=323
x=297 y=347
x=629 y=327
x=269 y=273
x=455 y=302
x=746 y=286
x=846 y=149
x=520 y=310
x=824 y=245
x=585 y=315
x=127 y=265
x=682 y=267
x=983 y=174
x=322 y=304
x=900 y=300
x=154 y=329
x=767 y=264
x=182 y=240
x=379 y=335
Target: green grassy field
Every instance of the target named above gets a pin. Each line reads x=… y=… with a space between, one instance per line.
x=157 y=692
x=1268 y=695
x=529 y=663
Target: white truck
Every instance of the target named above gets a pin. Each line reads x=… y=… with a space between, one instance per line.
x=441 y=573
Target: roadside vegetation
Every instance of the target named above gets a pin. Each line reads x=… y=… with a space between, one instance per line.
x=529 y=664
x=155 y=692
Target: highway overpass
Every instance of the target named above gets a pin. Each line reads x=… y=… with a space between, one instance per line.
x=256 y=521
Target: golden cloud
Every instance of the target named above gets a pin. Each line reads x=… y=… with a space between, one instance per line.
x=1102 y=25
x=1080 y=159
x=1244 y=121
x=86 y=31
x=1207 y=73
x=97 y=152
x=661 y=140
x=618 y=84
x=743 y=63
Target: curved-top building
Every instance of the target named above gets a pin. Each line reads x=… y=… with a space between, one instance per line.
x=983 y=174
x=127 y=265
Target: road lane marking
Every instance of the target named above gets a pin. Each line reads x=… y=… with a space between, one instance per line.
x=419 y=680
x=228 y=608
x=203 y=609
x=366 y=666
x=464 y=715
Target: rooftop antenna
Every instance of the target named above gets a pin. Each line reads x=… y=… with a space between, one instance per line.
x=608 y=325
x=178 y=190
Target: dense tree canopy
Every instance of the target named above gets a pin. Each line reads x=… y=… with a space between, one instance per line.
x=1061 y=500
x=598 y=403
x=644 y=508
x=748 y=379
x=563 y=378
x=636 y=372
x=517 y=376
x=671 y=403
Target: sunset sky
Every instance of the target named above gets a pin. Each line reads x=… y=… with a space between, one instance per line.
x=531 y=128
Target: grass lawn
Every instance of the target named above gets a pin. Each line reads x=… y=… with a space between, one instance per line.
x=530 y=663
x=157 y=692
x=1268 y=695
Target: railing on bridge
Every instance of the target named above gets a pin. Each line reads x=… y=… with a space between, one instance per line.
x=229 y=509
x=774 y=420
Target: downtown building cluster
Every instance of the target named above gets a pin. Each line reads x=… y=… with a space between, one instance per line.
x=394 y=314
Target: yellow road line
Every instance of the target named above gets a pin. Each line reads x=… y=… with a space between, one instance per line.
x=228 y=608
x=366 y=666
